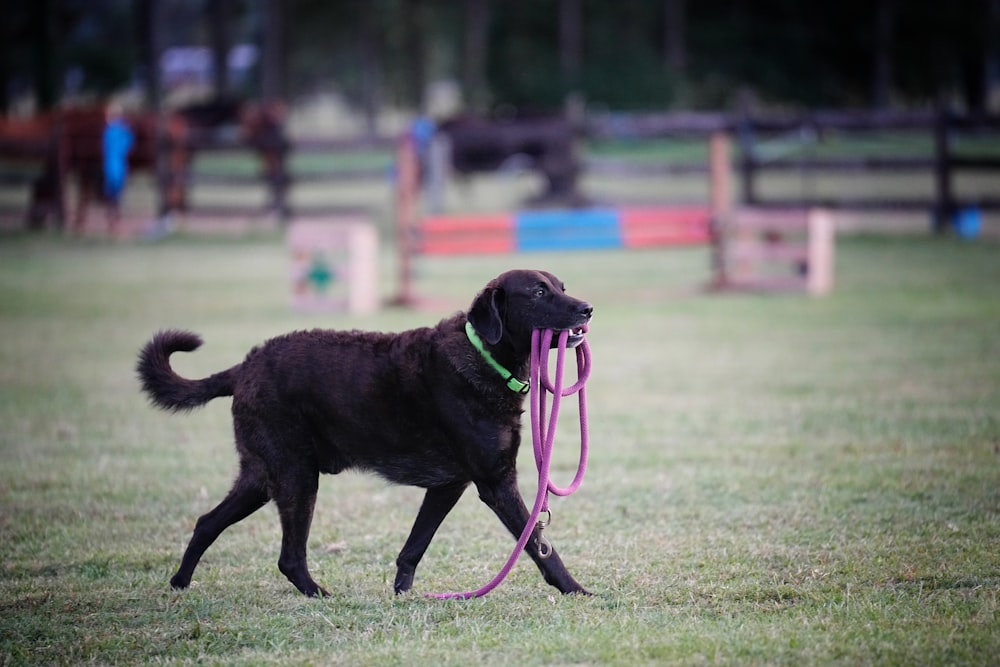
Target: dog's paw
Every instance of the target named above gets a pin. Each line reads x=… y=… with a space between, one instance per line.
x=404 y=582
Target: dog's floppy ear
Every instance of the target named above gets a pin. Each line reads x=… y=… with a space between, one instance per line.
x=486 y=314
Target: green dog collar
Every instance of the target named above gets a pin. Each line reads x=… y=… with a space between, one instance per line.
x=515 y=385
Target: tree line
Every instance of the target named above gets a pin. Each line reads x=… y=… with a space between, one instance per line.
x=529 y=55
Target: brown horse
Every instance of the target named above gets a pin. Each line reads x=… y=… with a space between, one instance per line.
x=76 y=152
x=35 y=143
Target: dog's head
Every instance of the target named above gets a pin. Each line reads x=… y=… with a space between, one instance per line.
x=517 y=302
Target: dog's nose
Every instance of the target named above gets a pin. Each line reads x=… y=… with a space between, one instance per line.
x=586 y=310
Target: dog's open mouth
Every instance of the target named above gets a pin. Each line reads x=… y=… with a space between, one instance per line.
x=576 y=335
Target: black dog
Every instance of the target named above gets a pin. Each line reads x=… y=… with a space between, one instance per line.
x=422 y=407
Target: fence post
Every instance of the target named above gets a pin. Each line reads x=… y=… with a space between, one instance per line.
x=821 y=237
x=748 y=161
x=275 y=156
x=162 y=147
x=944 y=204
x=172 y=164
x=438 y=165
x=59 y=153
x=406 y=202
x=720 y=179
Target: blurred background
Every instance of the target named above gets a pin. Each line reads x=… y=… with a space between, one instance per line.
x=880 y=107
x=427 y=56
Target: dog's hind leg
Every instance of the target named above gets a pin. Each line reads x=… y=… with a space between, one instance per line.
x=437 y=503
x=249 y=494
x=505 y=500
x=295 y=496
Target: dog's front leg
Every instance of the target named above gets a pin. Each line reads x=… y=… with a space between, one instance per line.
x=505 y=500
x=437 y=503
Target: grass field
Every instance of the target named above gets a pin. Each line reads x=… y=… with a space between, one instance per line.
x=773 y=479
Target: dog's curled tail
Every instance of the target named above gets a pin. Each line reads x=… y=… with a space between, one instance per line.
x=167 y=389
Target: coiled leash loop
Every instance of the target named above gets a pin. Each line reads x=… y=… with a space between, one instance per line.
x=543 y=433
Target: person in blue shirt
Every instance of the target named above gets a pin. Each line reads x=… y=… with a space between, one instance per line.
x=116 y=142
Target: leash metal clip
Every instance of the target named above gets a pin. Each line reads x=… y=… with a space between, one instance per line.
x=544 y=546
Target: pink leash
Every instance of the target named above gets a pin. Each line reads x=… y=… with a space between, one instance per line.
x=542 y=437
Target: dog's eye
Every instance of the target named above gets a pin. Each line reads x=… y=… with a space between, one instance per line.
x=539 y=292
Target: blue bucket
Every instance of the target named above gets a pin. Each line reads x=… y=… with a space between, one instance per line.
x=968 y=222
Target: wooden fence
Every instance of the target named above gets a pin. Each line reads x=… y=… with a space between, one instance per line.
x=274 y=171
x=751 y=136
x=943 y=162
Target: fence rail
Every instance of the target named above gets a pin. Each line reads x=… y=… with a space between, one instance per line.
x=275 y=172
x=943 y=162
x=938 y=129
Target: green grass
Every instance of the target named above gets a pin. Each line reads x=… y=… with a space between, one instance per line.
x=774 y=479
